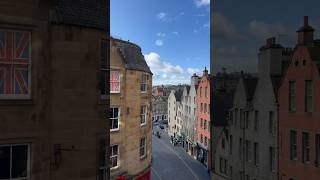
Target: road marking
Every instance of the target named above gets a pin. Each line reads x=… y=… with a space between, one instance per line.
x=180 y=159
x=155 y=172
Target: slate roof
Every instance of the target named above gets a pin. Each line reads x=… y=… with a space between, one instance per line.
x=222 y=101
x=178 y=94
x=85 y=13
x=132 y=55
x=250 y=85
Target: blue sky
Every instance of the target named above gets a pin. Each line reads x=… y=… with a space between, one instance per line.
x=174 y=35
x=241 y=27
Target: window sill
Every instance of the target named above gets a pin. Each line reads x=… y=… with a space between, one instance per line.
x=143 y=157
x=114 y=130
x=144 y=124
x=114 y=168
x=17 y=102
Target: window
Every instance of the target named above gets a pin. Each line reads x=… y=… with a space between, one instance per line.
x=15 y=162
x=206 y=91
x=143 y=115
x=272 y=158
x=247 y=177
x=308 y=96
x=271 y=123
x=230 y=144
x=205 y=108
x=114 y=118
x=200 y=91
x=223 y=143
x=201 y=139
x=305 y=147
x=114 y=81
x=114 y=156
x=240 y=148
x=201 y=122
x=256 y=154
x=248 y=150
x=143 y=147
x=241 y=118
x=15 y=64
x=246 y=116
x=205 y=124
x=205 y=141
x=223 y=165
x=235 y=117
x=143 y=83
x=292 y=96
x=256 y=120
x=317 y=149
x=231 y=117
x=201 y=107
x=241 y=175
x=293 y=145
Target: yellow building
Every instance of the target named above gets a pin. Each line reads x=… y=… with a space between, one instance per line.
x=130 y=109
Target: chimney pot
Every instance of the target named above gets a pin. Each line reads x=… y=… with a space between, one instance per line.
x=306 y=21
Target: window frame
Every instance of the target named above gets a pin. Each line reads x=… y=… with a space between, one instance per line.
x=143 y=115
x=144 y=146
x=308 y=93
x=305 y=153
x=117 y=156
x=28 y=177
x=20 y=96
x=293 y=145
x=115 y=92
x=119 y=117
x=292 y=96
x=144 y=84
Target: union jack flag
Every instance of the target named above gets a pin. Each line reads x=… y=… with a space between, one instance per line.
x=15 y=55
x=115 y=81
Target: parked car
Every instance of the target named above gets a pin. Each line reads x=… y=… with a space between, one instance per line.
x=161 y=126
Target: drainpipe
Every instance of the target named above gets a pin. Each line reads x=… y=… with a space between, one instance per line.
x=278 y=142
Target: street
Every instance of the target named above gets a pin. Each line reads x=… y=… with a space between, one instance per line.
x=172 y=162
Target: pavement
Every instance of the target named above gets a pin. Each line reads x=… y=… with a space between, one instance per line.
x=173 y=163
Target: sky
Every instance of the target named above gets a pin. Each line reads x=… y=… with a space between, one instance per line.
x=241 y=27
x=174 y=35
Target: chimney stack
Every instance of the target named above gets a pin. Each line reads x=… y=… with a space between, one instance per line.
x=306 y=23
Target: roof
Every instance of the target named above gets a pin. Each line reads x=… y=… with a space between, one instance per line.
x=85 y=13
x=178 y=94
x=276 y=83
x=222 y=101
x=250 y=85
x=188 y=89
x=132 y=55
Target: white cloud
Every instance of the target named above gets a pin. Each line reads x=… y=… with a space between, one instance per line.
x=162 y=16
x=193 y=71
x=200 y=3
x=166 y=73
x=263 y=30
x=157 y=65
x=175 y=33
x=160 y=34
x=159 y=42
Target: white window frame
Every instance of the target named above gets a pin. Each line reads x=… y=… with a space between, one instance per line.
x=115 y=70
x=28 y=177
x=144 y=84
x=113 y=156
x=144 y=114
x=144 y=146
x=20 y=96
x=111 y=118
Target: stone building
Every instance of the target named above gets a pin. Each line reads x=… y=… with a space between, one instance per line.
x=203 y=120
x=299 y=110
x=190 y=130
x=184 y=113
x=160 y=109
x=52 y=99
x=174 y=100
x=131 y=112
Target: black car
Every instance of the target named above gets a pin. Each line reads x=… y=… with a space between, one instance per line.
x=161 y=126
